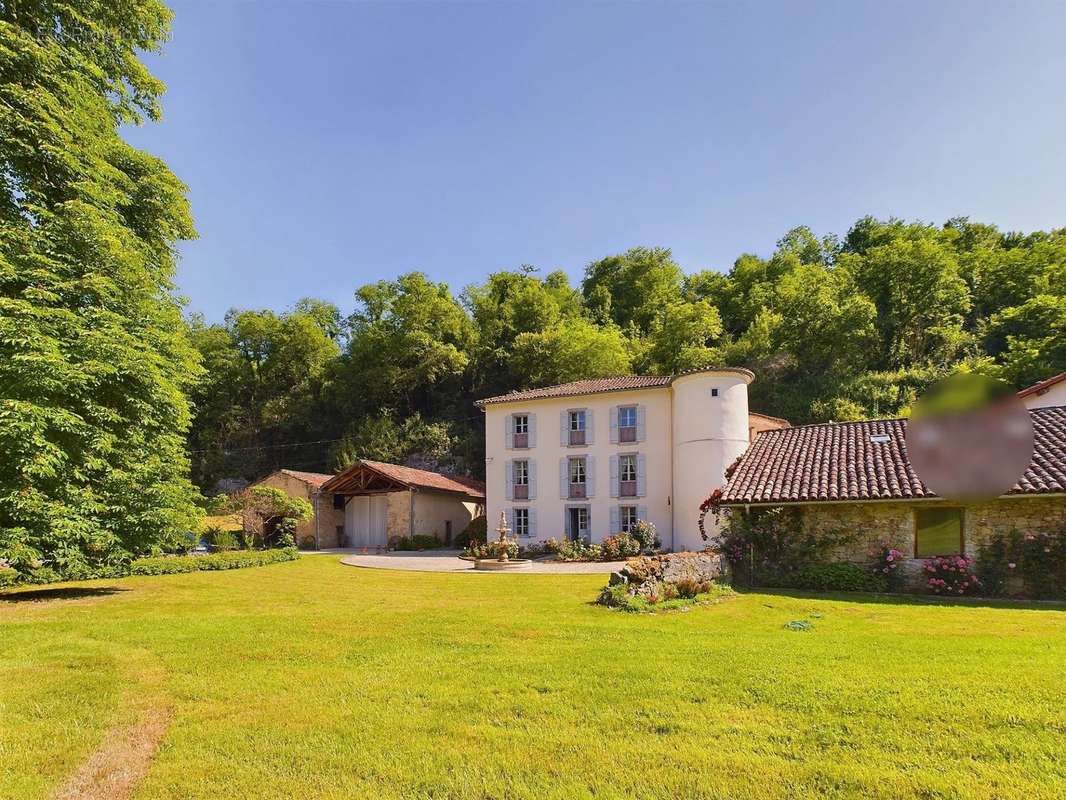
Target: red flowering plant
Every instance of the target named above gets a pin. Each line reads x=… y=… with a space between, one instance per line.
x=887 y=561
x=951 y=575
x=712 y=505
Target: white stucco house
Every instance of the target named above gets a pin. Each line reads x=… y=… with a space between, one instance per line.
x=1046 y=394
x=588 y=459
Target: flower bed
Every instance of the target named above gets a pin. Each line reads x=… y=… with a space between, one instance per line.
x=951 y=575
x=669 y=596
x=665 y=581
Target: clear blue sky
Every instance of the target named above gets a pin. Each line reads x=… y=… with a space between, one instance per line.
x=331 y=144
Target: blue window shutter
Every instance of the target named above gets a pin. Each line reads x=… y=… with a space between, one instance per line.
x=509 y=467
x=532 y=479
x=508 y=430
x=532 y=430
x=641 y=432
x=642 y=476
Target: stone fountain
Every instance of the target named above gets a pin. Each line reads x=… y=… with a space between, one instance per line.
x=503 y=562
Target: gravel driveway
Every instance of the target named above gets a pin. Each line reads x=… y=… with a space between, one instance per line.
x=449 y=561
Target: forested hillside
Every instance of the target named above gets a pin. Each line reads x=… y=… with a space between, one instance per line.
x=837 y=328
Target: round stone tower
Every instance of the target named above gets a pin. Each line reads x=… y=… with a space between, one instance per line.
x=710 y=430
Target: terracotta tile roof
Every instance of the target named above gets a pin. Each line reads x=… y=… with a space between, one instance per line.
x=598 y=385
x=1043 y=386
x=316 y=479
x=424 y=479
x=838 y=461
x=767 y=416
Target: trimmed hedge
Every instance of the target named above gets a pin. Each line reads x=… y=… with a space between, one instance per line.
x=232 y=559
x=839 y=577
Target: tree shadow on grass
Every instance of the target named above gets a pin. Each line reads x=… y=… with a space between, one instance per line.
x=908 y=599
x=66 y=593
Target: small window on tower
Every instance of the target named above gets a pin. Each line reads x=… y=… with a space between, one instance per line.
x=714 y=392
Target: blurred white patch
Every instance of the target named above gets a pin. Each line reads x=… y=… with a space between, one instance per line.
x=970 y=438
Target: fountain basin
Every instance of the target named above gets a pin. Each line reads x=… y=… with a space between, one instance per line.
x=495 y=565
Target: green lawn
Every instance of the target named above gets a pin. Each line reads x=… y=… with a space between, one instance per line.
x=312 y=679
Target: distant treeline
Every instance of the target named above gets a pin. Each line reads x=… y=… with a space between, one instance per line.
x=834 y=328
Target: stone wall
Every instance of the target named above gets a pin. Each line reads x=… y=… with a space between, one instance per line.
x=323 y=524
x=644 y=574
x=892 y=523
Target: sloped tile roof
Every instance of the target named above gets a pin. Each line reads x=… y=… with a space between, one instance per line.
x=598 y=385
x=422 y=479
x=838 y=461
x=1043 y=386
x=316 y=479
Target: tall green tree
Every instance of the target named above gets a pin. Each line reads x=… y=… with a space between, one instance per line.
x=632 y=289
x=266 y=385
x=573 y=350
x=94 y=360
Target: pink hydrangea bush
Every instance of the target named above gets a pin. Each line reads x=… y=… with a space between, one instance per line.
x=887 y=561
x=951 y=575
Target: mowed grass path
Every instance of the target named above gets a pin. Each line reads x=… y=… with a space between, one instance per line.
x=313 y=679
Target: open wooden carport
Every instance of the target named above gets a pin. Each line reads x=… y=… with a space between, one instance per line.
x=383 y=502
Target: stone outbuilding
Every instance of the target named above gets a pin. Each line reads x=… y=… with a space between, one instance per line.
x=383 y=502
x=326 y=527
x=855 y=476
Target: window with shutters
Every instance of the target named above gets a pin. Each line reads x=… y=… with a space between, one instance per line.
x=521 y=480
x=627 y=475
x=627 y=518
x=521 y=522
x=627 y=424
x=521 y=430
x=578 y=473
x=577 y=426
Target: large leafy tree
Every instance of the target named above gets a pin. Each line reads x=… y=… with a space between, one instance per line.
x=632 y=289
x=507 y=305
x=267 y=376
x=94 y=361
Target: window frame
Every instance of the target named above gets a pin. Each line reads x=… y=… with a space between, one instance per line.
x=962 y=531
x=521 y=528
x=624 y=525
x=574 y=416
x=520 y=429
x=624 y=460
x=578 y=464
x=520 y=467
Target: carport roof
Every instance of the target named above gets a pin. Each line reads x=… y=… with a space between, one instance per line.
x=377 y=477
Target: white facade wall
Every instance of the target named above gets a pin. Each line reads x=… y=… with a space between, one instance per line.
x=1054 y=395
x=548 y=450
x=686 y=461
x=710 y=432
